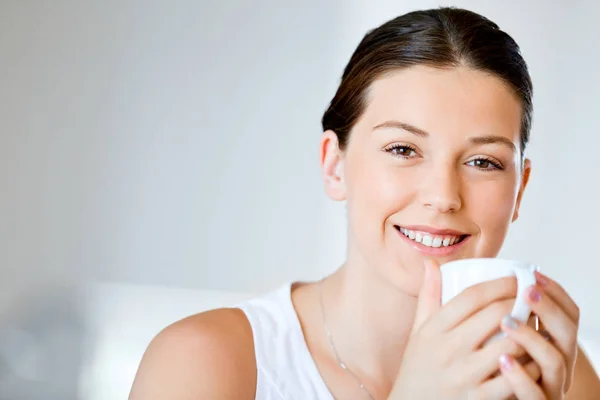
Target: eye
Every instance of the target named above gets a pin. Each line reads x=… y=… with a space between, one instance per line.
x=401 y=150
x=485 y=164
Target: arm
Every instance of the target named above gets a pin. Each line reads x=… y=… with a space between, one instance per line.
x=206 y=356
x=586 y=384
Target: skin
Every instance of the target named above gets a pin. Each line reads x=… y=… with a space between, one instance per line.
x=415 y=157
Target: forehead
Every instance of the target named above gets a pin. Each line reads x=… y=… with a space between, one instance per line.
x=454 y=100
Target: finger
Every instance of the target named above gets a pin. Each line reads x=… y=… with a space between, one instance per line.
x=557 y=323
x=548 y=357
x=519 y=381
x=559 y=295
x=482 y=325
x=483 y=363
x=498 y=387
x=473 y=299
x=430 y=295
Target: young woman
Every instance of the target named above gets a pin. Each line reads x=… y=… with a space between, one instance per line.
x=425 y=142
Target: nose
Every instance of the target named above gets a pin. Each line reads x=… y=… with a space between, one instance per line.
x=440 y=189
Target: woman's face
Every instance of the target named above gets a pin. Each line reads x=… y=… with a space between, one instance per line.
x=432 y=170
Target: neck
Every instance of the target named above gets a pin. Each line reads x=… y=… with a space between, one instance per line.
x=370 y=321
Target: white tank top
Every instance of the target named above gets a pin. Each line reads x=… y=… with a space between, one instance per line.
x=285 y=368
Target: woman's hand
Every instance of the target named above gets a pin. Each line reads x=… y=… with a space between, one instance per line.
x=444 y=358
x=555 y=354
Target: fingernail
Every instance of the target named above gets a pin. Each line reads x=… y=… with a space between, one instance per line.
x=509 y=322
x=534 y=294
x=541 y=279
x=506 y=362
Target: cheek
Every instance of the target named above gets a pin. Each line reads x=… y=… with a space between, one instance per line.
x=377 y=191
x=492 y=207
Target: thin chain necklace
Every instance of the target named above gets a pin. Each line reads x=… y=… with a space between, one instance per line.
x=334 y=350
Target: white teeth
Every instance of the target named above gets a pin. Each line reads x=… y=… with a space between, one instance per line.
x=418 y=237
x=429 y=240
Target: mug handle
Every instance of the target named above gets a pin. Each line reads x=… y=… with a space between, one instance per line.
x=525 y=278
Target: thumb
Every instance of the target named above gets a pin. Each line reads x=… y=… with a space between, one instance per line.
x=430 y=295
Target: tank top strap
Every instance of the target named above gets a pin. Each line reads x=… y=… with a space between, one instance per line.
x=285 y=368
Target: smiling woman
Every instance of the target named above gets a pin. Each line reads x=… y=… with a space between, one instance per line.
x=424 y=141
x=435 y=150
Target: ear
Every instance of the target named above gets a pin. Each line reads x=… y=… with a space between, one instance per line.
x=332 y=166
x=524 y=180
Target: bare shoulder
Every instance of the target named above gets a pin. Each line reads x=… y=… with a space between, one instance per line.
x=207 y=355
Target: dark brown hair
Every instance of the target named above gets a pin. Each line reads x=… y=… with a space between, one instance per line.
x=443 y=37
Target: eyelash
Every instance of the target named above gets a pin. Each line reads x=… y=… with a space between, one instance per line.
x=495 y=164
x=390 y=149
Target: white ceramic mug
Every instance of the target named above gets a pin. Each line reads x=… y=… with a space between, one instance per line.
x=459 y=275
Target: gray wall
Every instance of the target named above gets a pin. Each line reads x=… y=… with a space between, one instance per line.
x=176 y=143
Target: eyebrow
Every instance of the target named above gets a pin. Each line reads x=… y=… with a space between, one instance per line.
x=404 y=126
x=491 y=139
x=487 y=139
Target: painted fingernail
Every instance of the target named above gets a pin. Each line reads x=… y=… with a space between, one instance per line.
x=506 y=362
x=509 y=322
x=534 y=294
x=541 y=279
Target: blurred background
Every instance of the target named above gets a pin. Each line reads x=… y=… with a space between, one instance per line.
x=158 y=158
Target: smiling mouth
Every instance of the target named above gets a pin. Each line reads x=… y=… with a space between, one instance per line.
x=431 y=240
